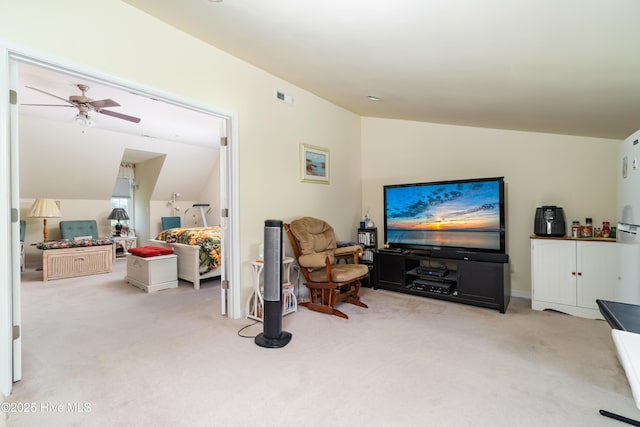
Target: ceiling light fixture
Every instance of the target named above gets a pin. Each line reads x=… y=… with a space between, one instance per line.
x=84 y=120
x=373 y=98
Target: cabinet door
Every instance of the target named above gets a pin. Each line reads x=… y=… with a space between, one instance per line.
x=597 y=272
x=553 y=271
x=389 y=269
x=481 y=281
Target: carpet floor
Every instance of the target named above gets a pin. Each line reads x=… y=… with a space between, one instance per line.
x=100 y=352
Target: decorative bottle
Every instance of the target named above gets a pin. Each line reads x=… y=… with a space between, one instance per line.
x=575 y=229
x=606 y=229
x=587 y=229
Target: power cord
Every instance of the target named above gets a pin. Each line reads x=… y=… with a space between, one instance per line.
x=296 y=284
x=245 y=327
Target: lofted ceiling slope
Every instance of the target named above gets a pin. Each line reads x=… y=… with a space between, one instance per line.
x=565 y=67
x=63 y=160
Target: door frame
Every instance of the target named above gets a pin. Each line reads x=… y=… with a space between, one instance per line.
x=9 y=248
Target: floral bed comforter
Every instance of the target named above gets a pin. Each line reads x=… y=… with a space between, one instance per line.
x=208 y=238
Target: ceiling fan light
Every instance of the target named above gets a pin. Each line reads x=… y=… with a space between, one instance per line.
x=79 y=120
x=85 y=121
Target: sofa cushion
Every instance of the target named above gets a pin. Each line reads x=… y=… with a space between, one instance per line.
x=77 y=228
x=63 y=244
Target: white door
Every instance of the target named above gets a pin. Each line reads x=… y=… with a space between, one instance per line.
x=229 y=219
x=598 y=264
x=553 y=271
x=15 y=224
x=224 y=219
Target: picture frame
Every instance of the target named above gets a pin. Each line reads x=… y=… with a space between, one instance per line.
x=314 y=164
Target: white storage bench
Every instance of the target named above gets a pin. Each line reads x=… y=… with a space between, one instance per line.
x=152 y=273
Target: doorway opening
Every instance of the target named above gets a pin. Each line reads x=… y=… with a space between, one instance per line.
x=227 y=170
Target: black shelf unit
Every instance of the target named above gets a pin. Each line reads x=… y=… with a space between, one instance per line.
x=480 y=283
x=368 y=238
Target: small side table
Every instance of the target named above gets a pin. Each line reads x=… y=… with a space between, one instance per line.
x=126 y=243
x=255 y=303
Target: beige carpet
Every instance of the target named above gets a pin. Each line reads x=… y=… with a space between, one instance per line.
x=170 y=359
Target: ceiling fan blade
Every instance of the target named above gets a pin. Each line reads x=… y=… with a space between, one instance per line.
x=50 y=105
x=103 y=103
x=119 y=115
x=50 y=94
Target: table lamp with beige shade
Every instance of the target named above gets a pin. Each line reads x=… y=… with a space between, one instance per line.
x=44 y=208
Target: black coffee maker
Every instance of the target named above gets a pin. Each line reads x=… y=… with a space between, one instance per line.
x=549 y=222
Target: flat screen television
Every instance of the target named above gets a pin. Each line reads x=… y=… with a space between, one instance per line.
x=447 y=217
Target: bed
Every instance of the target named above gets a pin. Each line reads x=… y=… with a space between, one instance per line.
x=198 y=251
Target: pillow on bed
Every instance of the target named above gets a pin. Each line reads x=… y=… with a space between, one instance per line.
x=150 y=251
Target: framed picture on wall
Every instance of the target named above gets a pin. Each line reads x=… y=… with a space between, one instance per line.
x=314 y=164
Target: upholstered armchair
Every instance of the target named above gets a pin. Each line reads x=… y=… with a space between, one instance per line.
x=314 y=245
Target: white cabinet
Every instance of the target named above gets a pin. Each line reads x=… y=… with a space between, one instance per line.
x=568 y=275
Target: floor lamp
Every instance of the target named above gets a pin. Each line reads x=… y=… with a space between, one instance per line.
x=44 y=208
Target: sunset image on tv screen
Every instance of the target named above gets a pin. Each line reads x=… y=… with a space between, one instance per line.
x=465 y=214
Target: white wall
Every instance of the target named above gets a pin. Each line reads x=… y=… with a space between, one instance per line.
x=577 y=173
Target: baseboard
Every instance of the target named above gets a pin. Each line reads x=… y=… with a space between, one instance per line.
x=521 y=294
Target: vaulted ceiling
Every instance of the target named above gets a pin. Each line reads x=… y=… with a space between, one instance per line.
x=50 y=90
x=60 y=159
x=555 y=66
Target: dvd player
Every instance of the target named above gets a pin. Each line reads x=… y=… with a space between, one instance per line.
x=444 y=288
x=432 y=271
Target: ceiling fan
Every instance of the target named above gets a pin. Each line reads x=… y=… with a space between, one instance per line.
x=86 y=105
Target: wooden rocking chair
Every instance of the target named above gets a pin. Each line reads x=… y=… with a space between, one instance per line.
x=314 y=246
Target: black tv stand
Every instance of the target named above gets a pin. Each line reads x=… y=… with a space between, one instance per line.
x=417 y=252
x=483 y=283
x=392 y=250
